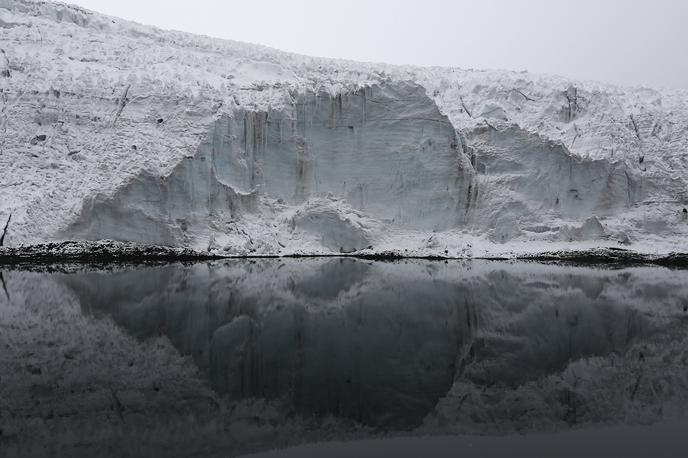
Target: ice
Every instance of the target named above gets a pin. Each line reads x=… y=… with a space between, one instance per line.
x=111 y=129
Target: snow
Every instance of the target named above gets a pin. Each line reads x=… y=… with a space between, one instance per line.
x=243 y=149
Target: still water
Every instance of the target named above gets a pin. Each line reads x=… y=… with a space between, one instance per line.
x=234 y=357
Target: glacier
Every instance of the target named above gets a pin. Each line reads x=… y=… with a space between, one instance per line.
x=115 y=130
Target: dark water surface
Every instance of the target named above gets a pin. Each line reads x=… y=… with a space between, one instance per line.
x=232 y=357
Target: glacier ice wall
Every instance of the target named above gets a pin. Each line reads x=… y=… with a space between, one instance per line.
x=111 y=129
x=386 y=153
x=385 y=150
x=525 y=182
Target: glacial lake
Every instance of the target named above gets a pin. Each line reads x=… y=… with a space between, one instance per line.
x=233 y=357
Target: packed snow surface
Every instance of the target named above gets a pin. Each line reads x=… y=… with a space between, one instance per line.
x=115 y=130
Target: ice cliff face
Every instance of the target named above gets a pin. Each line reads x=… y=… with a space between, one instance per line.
x=382 y=151
x=115 y=130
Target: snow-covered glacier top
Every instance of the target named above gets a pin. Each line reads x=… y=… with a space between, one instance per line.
x=112 y=129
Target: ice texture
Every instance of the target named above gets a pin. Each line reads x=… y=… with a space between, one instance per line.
x=114 y=130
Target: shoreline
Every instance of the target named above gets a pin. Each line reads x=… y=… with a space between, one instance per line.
x=106 y=252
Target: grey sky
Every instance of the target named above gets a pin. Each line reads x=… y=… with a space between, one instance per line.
x=630 y=42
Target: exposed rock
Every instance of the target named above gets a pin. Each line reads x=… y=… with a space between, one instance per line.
x=104 y=250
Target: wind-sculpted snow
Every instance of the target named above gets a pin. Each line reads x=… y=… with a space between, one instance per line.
x=116 y=130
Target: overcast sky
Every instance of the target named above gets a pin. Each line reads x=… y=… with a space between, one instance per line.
x=632 y=42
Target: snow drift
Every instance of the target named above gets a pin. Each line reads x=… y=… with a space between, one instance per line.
x=113 y=130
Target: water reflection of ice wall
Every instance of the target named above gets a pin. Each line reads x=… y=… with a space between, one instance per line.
x=403 y=344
